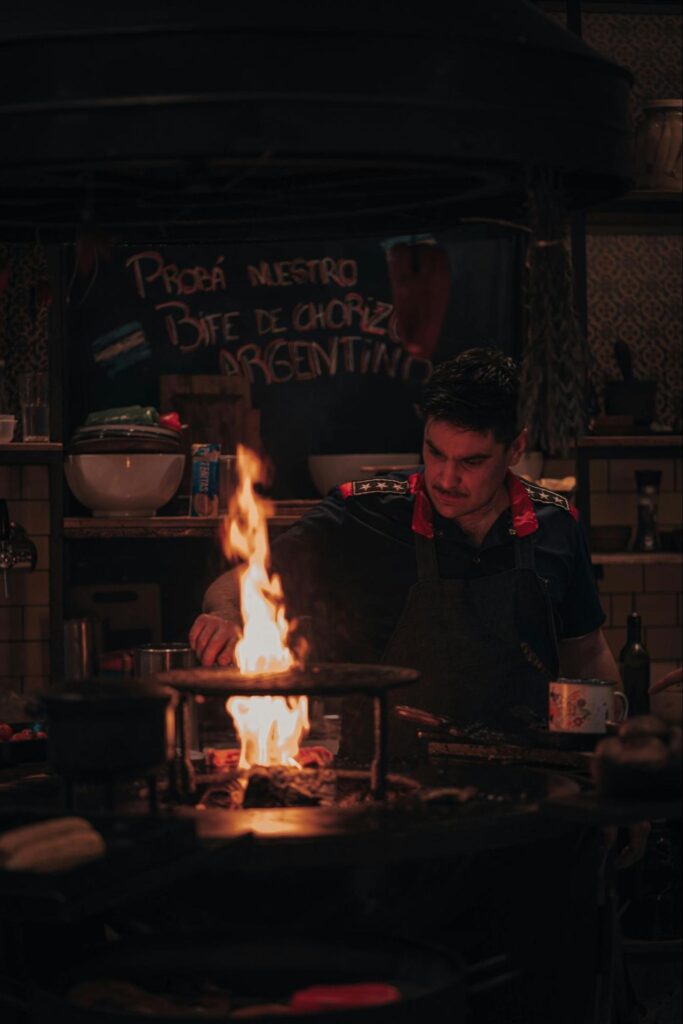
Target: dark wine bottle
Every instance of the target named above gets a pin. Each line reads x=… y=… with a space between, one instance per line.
x=634 y=665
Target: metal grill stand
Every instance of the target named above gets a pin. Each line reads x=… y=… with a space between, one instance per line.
x=333 y=680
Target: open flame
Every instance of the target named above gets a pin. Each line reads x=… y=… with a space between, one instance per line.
x=269 y=728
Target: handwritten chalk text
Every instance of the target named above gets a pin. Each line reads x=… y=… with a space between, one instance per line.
x=302 y=360
x=188 y=333
x=149 y=268
x=299 y=271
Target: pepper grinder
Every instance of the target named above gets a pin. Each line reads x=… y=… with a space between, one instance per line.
x=647 y=535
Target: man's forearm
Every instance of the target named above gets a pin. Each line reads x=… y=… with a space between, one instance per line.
x=223 y=597
x=588 y=657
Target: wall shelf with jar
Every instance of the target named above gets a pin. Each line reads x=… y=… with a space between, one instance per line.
x=638 y=558
x=628 y=446
x=642 y=210
x=31 y=453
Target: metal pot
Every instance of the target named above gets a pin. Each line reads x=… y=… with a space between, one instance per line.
x=148 y=659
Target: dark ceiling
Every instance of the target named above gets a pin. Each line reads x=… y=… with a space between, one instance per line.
x=178 y=122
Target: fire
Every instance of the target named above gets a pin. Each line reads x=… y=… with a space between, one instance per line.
x=269 y=727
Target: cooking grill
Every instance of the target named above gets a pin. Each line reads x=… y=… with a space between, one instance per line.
x=321 y=680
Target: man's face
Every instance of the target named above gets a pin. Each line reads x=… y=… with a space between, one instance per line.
x=464 y=470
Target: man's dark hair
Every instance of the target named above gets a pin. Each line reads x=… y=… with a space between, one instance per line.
x=477 y=390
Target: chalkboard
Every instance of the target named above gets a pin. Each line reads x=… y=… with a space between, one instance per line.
x=329 y=343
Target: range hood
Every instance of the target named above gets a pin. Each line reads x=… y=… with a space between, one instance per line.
x=273 y=120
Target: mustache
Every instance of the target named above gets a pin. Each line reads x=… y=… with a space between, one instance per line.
x=450 y=493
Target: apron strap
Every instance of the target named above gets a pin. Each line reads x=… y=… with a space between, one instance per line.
x=427 y=562
x=524 y=553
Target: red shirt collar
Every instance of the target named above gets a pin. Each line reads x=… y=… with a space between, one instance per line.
x=524 y=519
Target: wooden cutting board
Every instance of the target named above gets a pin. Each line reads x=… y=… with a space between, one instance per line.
x=217 y=410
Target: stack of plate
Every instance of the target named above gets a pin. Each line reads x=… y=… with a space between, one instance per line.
x=122 y=438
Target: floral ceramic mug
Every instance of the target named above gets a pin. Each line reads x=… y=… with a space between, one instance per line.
x=584 y=705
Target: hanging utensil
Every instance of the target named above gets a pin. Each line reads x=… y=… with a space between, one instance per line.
x=421 y=717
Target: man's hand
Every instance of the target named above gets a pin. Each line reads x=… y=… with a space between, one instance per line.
x=213 y=639
x=672 y=678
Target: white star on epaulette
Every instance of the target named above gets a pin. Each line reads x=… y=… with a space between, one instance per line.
x=381 y=486
x=546 y=497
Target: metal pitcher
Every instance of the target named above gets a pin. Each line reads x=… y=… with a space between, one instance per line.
x=148 y=659
x=80 y=648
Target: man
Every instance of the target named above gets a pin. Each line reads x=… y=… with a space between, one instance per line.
x=478 y=579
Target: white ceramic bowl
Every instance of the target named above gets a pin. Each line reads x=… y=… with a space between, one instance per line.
x=124 y=485
x=7 y=425
x=327 y=471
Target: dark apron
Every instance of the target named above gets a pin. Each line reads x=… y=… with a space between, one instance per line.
x=464 y=637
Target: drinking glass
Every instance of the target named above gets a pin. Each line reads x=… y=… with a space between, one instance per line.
x=35 y=408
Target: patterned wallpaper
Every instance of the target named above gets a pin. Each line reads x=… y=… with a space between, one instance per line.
x=634 y=281
x=649 y=45
x=635 y=293
x=24 y=310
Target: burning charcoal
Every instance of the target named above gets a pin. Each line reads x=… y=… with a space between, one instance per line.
x=220 y=798
x=289 y=787
x=227 y=793
x=220 y=759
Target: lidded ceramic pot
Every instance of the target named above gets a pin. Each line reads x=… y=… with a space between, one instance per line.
x=658 y=159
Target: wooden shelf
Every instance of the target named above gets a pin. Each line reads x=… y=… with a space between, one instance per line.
x=30 y=454
x=638 y=558
x=286 y=514
x=642 y=210
x=631 y=441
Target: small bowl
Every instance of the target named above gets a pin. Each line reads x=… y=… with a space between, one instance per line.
x=7 y=425
x=328 y=471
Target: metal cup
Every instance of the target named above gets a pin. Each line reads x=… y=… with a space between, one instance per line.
x=584 y=705
x=79 y=649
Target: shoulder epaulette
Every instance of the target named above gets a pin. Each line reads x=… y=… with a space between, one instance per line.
x=546 y=497
x=377 y=485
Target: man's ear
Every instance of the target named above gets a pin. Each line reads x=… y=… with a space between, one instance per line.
x=517 y=448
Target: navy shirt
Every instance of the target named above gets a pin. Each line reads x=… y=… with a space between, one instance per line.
x=350 y=563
